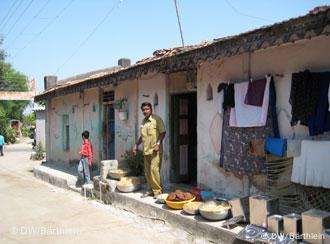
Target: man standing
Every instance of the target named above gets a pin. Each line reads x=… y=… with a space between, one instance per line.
x=86 y=158
x=152 y=135
x=2 y=143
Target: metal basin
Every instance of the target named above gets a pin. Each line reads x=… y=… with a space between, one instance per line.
x=214 y=210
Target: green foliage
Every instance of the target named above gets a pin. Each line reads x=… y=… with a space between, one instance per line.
x=121 y=104
x=13 y=109
x=10 y=135
x=10 y=80
x=134 y=162
x=39 y=155
x=25 y=131
x=3 y=122
x=28 y=121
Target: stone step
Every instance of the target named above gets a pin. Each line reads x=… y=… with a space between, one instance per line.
x=195 y=225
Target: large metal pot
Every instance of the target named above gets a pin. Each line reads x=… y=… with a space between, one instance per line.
x=214 y=210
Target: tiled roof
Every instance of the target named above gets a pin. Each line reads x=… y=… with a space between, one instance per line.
x=161 y=53
x=315 y=23
x=83 y=77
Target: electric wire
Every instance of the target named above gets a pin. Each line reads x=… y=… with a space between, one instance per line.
x=29 y=23
x=246 y=15
x=19 y=18
x=12 y=14
x=45 y=28
x=179 y=22
x=9 y=11
x=89 y=36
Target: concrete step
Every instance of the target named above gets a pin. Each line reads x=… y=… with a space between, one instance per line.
x=196 y=226
x=55 y=177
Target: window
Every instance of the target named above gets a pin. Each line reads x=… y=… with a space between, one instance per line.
x=65 y=132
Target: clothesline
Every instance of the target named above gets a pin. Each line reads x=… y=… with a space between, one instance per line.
x=257 y=78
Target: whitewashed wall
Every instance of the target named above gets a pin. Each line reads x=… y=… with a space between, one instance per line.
x=284 y=60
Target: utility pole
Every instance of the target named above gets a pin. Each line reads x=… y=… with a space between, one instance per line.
x=178 y=17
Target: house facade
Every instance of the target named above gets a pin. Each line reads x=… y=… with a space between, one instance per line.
x=40 y=124
x=181 y=84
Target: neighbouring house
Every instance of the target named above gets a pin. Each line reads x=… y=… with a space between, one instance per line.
x=181 y=84
x=16 y=126
x=40 y=129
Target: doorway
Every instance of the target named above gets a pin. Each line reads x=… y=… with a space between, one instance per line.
x=184 y=138
x=108 y=126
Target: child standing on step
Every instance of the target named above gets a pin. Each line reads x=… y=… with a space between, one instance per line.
x=86 y=158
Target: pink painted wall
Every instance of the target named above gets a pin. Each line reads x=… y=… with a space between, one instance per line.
x=83 y=111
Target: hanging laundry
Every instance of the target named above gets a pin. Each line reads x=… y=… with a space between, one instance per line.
x=235 y=156
x=312 y=168
x=255 y=92
x=221 y=88
x=276 y=146
x=272 y=108
x=244 y=115
x=329 y=97
x=257 y=147
x=293 y=148
x=320 y=122
x=229 y=97
x=304 y=97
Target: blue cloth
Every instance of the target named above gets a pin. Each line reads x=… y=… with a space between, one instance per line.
x=320 y=122
x=207 y=195
x=2 y=140
x=276 y=146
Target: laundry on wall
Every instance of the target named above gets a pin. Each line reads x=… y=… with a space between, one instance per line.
x=250 y=126
x=236 y=141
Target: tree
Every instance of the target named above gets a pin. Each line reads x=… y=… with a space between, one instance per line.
x=12 y=80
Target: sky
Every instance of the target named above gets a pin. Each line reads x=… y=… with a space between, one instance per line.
x=70 y=37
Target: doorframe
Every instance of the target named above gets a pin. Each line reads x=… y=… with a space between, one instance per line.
x=104 y=113
x=174 y=177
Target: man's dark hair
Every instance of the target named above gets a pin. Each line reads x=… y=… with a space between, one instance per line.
x=146 y=104
x=85 y=134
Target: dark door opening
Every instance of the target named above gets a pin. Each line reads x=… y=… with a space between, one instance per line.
x=184 y=138
x=109 y=132
x=108 y=126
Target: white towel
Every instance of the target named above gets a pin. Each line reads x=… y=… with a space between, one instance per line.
x=312 y=168
x=244 y=115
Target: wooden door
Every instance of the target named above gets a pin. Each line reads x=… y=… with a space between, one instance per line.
x=184 y=138
x=109 y=132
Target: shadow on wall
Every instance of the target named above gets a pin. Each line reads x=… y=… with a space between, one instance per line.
x=257 y=181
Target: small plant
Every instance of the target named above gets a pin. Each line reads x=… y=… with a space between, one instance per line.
x=121 y=104
x=25 y=131
x=134 y=162
x=39 y=155
x=10 y=135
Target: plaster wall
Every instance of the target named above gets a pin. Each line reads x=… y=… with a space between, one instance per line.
x=148 y=86
x=40 y=127
x=125 y=131
x=83 y=112
x=283 y=60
